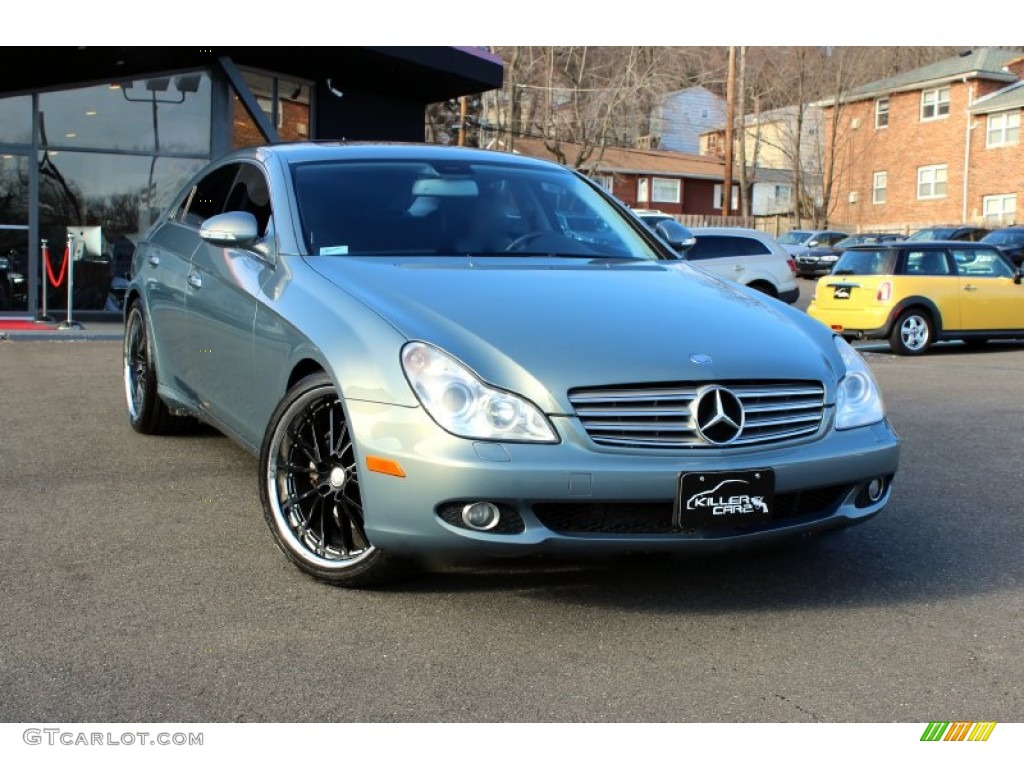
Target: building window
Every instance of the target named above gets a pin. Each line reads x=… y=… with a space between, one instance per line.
x=935 y=103
x=1003 y=129
x=607 y=182
x=879 y=183
x=783 y=193
x=1000 y=209
x=931 y=182
x=665 y=190
x=641 y=190
x=734 y=206
x=882 y=113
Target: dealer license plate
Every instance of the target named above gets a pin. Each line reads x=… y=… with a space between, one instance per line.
x=711 y=499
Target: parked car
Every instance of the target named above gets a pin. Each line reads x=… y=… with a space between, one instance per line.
x=971 y=234
x=417 y=386
x=747 y=256
x=668 y=228
x=915 y=293
x=820 y=259
x=800 y=241
x=1009 y=240
x=13 y=285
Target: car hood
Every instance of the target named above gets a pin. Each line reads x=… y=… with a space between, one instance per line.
x=541 y=327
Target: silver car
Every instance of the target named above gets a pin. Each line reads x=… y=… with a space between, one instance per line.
x=430 y=362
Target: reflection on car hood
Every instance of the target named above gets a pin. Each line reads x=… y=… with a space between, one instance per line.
x=543 y=326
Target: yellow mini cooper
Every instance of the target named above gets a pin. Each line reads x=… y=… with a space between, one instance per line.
x=916 y=293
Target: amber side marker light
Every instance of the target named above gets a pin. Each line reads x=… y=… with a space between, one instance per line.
x=837 y=327
x=384 y=466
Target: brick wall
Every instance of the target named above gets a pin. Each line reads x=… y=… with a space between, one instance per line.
x=907 y=144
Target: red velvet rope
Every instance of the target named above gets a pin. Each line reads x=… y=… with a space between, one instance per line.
x=56 y=281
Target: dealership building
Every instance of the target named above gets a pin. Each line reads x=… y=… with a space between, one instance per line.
x=94 y=142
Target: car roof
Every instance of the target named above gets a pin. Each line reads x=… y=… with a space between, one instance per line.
x=747 y=231
x=907 y=245
x=311 y=151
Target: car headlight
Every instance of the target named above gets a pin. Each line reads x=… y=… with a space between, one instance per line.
x=859 y=401
x=462 y=404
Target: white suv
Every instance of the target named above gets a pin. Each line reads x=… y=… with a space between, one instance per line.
x=747 y=256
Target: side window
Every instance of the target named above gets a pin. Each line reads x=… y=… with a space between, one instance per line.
x=706 y=247
x=251 y=194
x=980 y=262
x=718 y=246
x=208 y=196
x=931 y=263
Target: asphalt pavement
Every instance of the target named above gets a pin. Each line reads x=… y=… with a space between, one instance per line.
x=140 y=585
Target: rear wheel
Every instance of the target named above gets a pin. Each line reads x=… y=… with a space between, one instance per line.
x=309 y=486
x=912 y=333
x=147 y=413
x=765 y=288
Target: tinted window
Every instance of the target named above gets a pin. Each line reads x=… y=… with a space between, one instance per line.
x=1005 y=237
x=449 y=207
x=209 y=195
x=865 y=262
x=795 y=237
x=719 y=246
x=251 y=194
x=932 y=234
x=931 y=263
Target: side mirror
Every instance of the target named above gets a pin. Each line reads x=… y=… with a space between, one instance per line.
x=676 y=235
x=236 y=229
x=1017 y=277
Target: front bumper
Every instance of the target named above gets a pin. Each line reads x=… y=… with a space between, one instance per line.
x=579 y=497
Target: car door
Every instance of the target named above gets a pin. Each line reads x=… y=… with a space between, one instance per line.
x=927 y=272
x=989 y=299
x=714 y=254
x=221 y=301
x=162 y=266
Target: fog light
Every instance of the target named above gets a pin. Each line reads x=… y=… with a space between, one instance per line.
x=876 y=488
x=480 y=515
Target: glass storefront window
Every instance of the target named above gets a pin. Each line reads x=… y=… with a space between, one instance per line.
x=106 y=201
x=16 y=120
x=156 y=114
x=289 y=112
x=14 y=189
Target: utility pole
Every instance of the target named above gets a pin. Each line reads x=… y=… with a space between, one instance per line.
x=462 y=121
x=730 y=108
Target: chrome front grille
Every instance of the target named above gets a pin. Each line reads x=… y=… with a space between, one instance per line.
x=664 y=416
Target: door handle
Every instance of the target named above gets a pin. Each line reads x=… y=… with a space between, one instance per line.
x=970 y=287
x=154 y=260
x=195 y=281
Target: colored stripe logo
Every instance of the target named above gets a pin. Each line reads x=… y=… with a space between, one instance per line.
x=958 y=731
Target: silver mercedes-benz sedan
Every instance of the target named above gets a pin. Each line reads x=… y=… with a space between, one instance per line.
x=445 y=352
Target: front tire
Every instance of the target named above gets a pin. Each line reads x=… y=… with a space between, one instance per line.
x=309 y=487
x=912 y=333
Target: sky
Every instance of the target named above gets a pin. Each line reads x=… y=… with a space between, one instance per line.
x=520 y=22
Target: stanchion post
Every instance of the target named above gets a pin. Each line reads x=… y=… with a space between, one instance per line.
x=44 y=317
x=70 y=323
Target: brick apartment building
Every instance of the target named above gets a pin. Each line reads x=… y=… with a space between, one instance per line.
x=935 y=145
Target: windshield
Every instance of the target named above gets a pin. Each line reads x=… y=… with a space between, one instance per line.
x=453 y=208
x=1005 y=237
x=795 y=237
x=865 y=262
x=932 y=234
